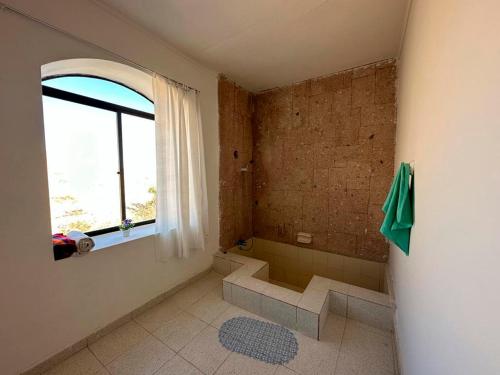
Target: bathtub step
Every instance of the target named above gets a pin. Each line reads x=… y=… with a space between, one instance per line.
x=246 y=285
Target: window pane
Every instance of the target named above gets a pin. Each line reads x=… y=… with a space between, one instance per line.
x=82 y=161
x=139 y=163
x=103 y=90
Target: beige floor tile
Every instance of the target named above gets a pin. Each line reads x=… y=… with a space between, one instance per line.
x=195 y=291
x=233 y=312
x=178 y=366
x=217 y=290
x=214 y=277
x=222 y=266
x=118 y=342
x=313 y=358
x=370 y=313
x=333 y=330
x=209 y=307
x=346 y=347
x=208 y=282
x=158 y=315
x=238 y=364
x=81 y=363
x=319 y=357
x=178 y=332
x=189 y=295
x=284 y=371
x=144 y=358
x=356 y=371
x=205 y=351
x=371 y=329
x=365 y=351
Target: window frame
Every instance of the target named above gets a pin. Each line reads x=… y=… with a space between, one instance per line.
x=119 y=110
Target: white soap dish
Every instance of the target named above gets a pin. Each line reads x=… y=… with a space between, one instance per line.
x=303 y=237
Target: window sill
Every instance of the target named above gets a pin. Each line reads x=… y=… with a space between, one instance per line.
x=115 y=238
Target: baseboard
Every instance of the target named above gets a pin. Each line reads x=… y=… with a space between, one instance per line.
x=390 y=291
x=85 y=342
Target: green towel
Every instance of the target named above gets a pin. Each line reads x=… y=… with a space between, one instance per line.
x=398 y=209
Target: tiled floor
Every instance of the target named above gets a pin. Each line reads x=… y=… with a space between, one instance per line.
x=180 y=336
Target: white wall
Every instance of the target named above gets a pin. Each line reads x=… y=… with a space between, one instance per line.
x=447 y=290
x=46 y=305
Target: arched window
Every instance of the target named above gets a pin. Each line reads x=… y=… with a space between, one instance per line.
x=100 y=144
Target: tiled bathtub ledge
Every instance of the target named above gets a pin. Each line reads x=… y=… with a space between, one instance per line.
x=246 y=285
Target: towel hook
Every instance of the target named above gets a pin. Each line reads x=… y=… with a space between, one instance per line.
x=412 y=166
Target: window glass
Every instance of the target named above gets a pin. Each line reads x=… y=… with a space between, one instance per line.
x=92 y=185
x=139 y=161
x=103 y=90
x=82 y=162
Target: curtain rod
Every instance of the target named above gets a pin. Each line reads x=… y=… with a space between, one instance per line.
x=4 y=7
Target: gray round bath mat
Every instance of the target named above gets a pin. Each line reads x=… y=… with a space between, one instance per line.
x=264 y=341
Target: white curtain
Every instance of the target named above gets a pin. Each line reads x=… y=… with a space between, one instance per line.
x=181 y=208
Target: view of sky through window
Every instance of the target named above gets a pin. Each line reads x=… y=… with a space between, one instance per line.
x=82 y=157
x=103 y=90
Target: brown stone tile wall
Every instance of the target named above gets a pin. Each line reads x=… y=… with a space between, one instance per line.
x=235 y=187
x=324 y=160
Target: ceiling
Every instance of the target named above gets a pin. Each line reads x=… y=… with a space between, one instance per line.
x=261 y=44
